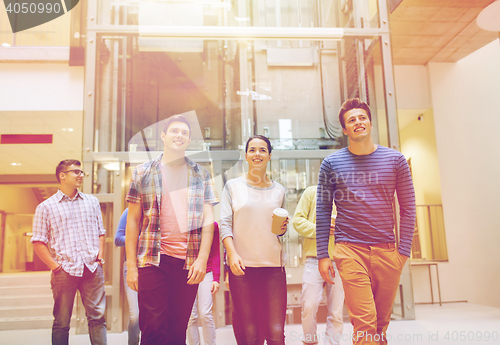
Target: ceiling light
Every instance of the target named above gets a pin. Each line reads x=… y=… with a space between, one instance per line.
x=68 y=129
x=114 y=166
x=488 y=18
x=5 y=45
x=15 y=164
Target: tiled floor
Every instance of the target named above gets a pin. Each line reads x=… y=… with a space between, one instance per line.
x=459 y=323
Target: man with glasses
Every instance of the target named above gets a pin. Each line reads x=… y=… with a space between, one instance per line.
x=169 y=233
x=68 y=236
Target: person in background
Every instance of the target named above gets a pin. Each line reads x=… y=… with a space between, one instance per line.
x=68 y=236
x=304 y=222
x=203 y=304
x=134 y=332
x=363 y=179
x=257 y=278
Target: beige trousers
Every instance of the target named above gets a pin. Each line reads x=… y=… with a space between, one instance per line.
x=370 y=275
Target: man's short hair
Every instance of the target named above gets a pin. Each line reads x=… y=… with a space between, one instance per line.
x=353 y=103
x=175 y=118
x=64 y=165
x=261 y=137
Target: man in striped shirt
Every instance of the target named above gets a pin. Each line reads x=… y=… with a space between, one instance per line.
x=68 y=236
x=362 y=179
x=169 y=234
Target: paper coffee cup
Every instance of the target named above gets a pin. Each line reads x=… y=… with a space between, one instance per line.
x=279 y=216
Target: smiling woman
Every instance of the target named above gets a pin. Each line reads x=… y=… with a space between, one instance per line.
x=258 y=154
x=257 y=279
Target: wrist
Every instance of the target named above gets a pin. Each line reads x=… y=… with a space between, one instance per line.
x=202 y=259
x=230 y=251
x=57 y=269
x=203 y=256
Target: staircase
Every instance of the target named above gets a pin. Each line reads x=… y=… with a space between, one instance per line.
x=26 y=301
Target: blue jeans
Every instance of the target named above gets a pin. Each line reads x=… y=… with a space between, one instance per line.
x=165 y=302
x=259 y=299
x=133 y=306
x=91 y=287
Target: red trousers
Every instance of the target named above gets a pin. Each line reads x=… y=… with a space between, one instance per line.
x=370 y=275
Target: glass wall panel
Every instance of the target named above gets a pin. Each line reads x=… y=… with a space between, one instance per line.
x=295 y=90
x=358 y=13
x=107 y=219
x=375 y=90
x=233 y=90
x=103 y=177
x=268 y=13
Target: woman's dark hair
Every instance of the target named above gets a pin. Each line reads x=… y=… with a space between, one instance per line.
x=261 y=137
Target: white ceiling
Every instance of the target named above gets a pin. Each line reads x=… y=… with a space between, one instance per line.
x=40 y=158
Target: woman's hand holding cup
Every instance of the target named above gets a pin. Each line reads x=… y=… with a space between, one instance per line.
x=280 y=221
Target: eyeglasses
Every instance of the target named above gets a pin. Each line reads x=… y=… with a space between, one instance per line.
x=78 y=172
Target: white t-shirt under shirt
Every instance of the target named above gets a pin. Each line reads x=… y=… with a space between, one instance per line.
x=173 y=213
x=246 y=215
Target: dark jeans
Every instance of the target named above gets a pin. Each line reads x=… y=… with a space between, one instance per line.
x=165 y=302
x=259 y=299
x=91 y=287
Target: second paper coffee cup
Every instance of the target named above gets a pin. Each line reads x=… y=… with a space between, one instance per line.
x=279 y=216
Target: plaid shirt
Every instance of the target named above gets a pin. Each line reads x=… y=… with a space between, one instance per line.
x=70 y=228
x=146 y=188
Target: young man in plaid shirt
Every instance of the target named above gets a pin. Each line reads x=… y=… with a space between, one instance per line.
x=169 y=235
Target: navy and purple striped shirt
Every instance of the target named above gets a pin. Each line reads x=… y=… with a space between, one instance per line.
x=363 y=188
